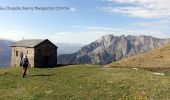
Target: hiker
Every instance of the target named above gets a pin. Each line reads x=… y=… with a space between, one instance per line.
x=25 y=64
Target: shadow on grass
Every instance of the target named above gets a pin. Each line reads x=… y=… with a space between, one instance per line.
x=157 y=69
x=58 y=65
x=42 y=75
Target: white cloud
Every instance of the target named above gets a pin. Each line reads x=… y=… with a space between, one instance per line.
x=162 y=24
x=16 y=35
x=141 y=8
x=77 y=37
x=82 y=37
x=90 y=34
x=73 y=9
x=159 y=10
x=94 y=27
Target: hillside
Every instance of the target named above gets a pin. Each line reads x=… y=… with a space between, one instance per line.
x=111 y=48
x=85 y=82
x=5 y=52
x=156 y=58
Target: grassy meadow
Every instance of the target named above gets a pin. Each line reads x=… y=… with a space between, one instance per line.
x=83 y=82
x=156 y=58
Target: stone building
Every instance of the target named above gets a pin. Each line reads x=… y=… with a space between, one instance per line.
x=40 y=52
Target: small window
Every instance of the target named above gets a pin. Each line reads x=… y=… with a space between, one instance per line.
x=17 y=53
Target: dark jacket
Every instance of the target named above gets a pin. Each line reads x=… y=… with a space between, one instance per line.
x=25 y=62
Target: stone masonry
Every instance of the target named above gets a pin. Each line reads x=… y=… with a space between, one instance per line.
x=40 y=53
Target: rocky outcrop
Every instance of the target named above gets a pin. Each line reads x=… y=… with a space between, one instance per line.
x=111 y=48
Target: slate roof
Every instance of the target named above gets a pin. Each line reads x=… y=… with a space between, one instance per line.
x=28 y=43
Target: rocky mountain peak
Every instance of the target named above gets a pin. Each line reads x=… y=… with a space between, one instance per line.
x=105 y=38
x=110 y=48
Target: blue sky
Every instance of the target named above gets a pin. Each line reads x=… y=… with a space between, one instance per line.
x=86 y=21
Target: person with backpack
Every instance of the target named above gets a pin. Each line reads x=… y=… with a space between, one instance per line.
x=25 y=64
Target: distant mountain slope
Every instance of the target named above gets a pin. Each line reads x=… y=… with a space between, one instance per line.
x=68 y=48
x=156 y=58
x=5 y=52
x=111 y=48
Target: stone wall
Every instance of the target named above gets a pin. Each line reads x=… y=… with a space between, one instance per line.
x=46 y=52
x=42 y=55
x=16 y=55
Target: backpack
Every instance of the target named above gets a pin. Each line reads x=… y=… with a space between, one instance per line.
x=24 y=62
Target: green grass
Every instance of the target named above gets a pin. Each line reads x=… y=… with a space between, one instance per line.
x=156 y=58
x=83 y=82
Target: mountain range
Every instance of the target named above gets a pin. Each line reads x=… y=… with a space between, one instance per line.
x=107 y=49
x=5 y=52
x=110 y=48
